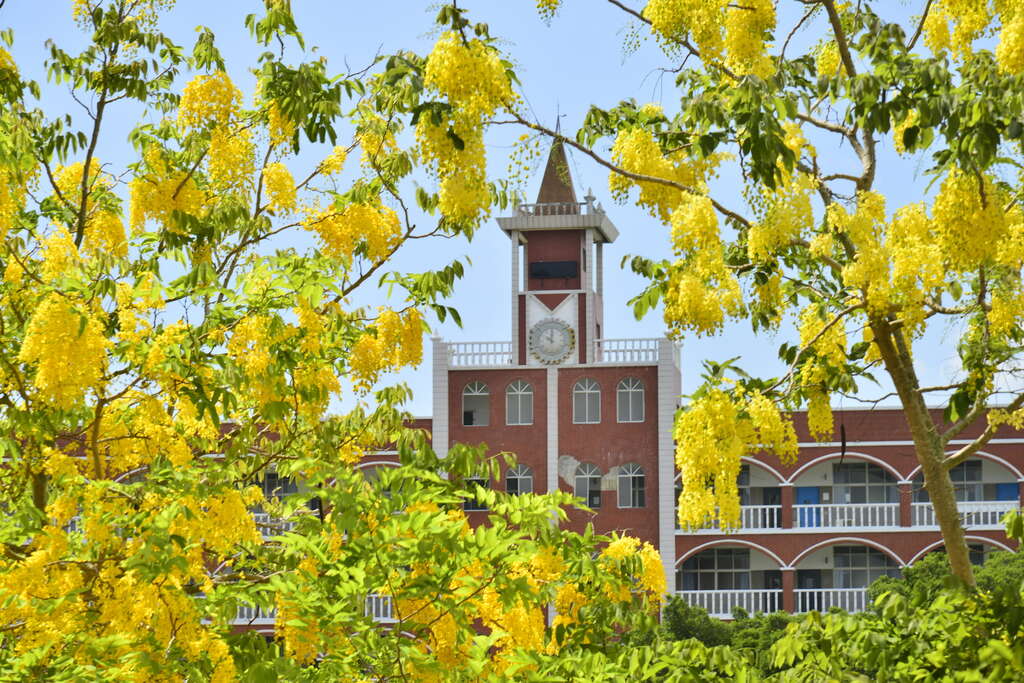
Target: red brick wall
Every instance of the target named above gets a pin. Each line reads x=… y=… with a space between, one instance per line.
x=610 y=443
x=554 y=245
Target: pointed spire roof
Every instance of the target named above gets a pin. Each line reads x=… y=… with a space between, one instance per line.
x=556 y=186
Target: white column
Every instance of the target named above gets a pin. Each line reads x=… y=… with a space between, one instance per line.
x=599 y=268
x=439 y=426
x=552 y=418
x=589 y=287
x=515 y=298
x=669 y=389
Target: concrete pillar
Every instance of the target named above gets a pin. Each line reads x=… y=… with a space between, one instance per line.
x=787 y=505
x=906 y=497
x=788 y=584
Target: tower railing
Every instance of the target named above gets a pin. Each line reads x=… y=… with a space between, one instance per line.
x=551 y=209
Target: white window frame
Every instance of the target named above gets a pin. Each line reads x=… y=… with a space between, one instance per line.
x=587 y=475
x=519 y=473
x=586 y=388
x=872 y=562
x=519 y=394
x=628 y=473
x=477 y=388
x=628 y=387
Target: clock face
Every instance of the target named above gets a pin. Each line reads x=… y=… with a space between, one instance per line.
x=551 y=340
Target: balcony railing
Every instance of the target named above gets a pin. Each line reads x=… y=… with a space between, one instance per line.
x=474 y=354
x=270 y=525
x=845 y=515
x=752 y=518
x=973 y=514
x=824 y=599
x=720 y=603
x=626 y=350
x=378 y=607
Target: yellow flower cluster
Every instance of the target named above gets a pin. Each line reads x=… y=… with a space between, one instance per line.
x=969 y=222
x=463 y=195
x=635 y=150
x=819 y=415
x=372 y=225
x=746 y=25
x=469 y=75
x=69 y=349
x=1010 y=51
x=694 y=225
x=547 y=8
x=711 y=435
x=786 y=214
x=231 y=159
x=13 y=187
x=280 y=128
x=971 y=20
x=828 y=62
x=826 y=350
x=60 y=255
x=104 y=232
x=206 y=100
x=159 y=193
x=7 y=62
x=674 y=20
x=249 y=345
x=280 y=188
x=334 y=161
x=398 y=342
x=472 y=78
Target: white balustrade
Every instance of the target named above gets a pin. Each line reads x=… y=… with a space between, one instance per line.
x=381 y=608
x=752 y=518
x=626 y=350
x=257 y=616
x=378 y=607
x=550 y=209
x=824 y=599
x=270 y=525
x=846 y=515
x=720 y=603
x=477 y=354
x=973 y=514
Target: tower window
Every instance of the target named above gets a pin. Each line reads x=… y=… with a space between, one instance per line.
x=519 y=403
x=586 y=402
x=563 y=270
x=631 y=486
x=588 y=484
x=630 y=395
x=476 y=405
x=519 y=480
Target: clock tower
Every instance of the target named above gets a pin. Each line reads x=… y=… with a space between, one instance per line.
x=557 y=271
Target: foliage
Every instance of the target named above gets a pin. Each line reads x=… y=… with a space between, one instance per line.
x=805 y=105
x=166 y=341
x=930 y=575
x=681 y=621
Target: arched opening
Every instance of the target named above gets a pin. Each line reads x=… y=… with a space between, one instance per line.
x=985 y=490
x=724 y=576
x=854 y=490
x=837 y=573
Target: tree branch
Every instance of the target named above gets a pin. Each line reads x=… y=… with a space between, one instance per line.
x=982 y=439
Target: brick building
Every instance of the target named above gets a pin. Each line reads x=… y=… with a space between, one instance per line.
x=593 y=414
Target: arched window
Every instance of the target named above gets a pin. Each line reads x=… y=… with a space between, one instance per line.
x=631 y=486
x=476 y=405
x=586 y=402
x=630 y=395
x=519 y=403
x=519 y=480
x=588 y=484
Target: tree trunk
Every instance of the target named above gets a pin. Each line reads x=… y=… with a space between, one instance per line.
x=927 y=446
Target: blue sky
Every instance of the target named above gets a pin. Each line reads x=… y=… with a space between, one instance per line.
x=576 y=60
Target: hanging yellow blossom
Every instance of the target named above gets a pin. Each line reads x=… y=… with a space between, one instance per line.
x=968 y=220
x=160 y=192
x=231 y=159
x=68 y=347
x=334 y=161
x=211 y=99
x=280 y=188
x=342 y=231
x=469 y=74
x=60 y=255
x=745 y=29
x=280 y=128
